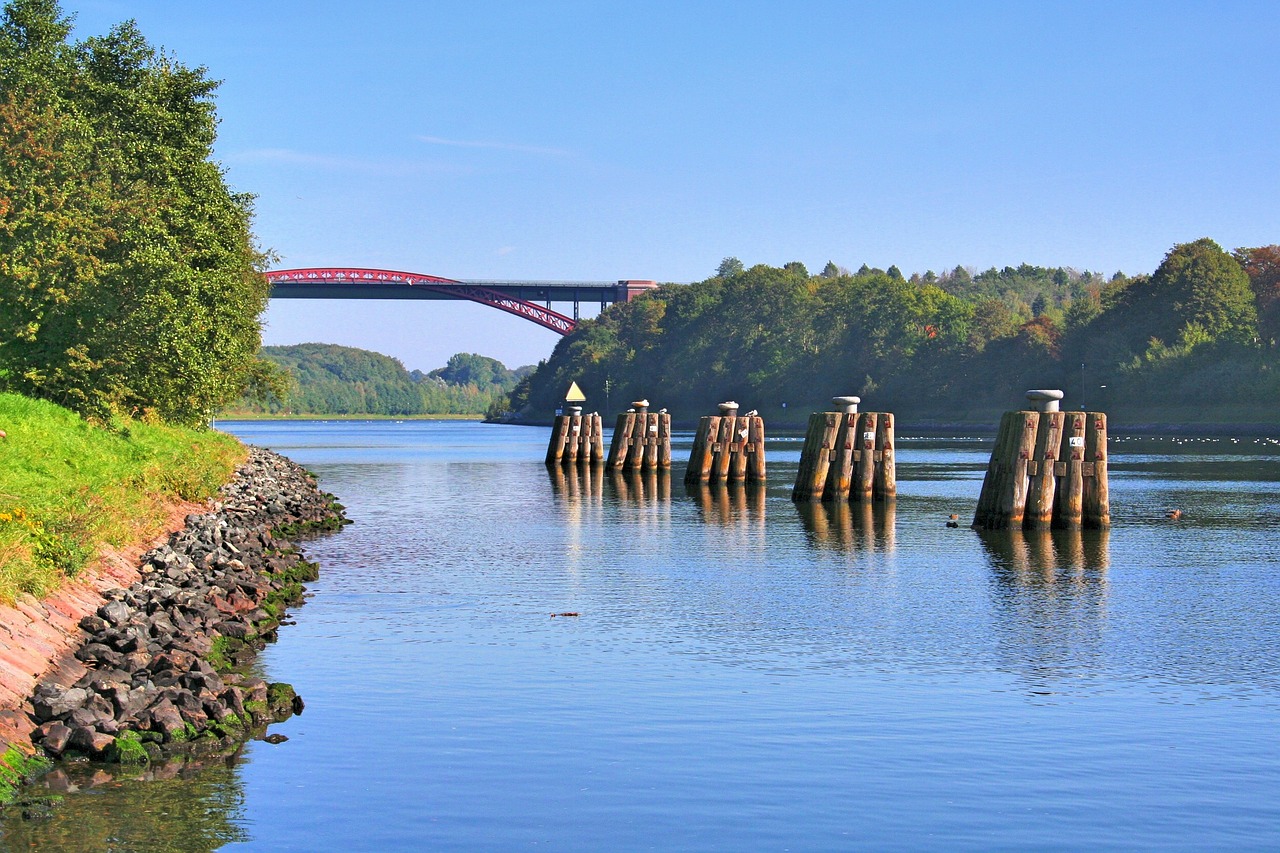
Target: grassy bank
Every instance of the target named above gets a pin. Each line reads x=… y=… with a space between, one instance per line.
x=67 y=488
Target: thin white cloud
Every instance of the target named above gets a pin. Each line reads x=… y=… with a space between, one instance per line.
x=291 y=157
x=499 y=146
x=506 y=250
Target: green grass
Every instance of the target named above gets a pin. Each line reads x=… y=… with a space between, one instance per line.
x=67 y=487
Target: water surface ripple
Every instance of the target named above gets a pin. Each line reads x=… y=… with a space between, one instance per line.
x=746 y=674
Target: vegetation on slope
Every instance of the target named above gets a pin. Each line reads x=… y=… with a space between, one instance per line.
x=67 y=487
x=326 y=379
x=1196 y=338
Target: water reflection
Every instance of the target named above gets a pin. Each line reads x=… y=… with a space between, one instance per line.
x=1048 y=558
x=175 y=806
x=1050 y=597
x=577 y=483
x=641 y=487
x=739 y=505
x=849 y=526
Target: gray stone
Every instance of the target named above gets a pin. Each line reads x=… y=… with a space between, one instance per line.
x=255 y=689
x=114 y=612
x=234 y=629
x=233 y=698
x=48 y=707
x=93 y=624
x=55 y=738
x=166 y=719
x=89 y=740
x=85 y=718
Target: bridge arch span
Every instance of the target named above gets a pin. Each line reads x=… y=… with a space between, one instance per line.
x=365 y=283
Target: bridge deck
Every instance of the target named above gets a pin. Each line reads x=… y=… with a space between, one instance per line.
x=532 y=291
x=516 y=297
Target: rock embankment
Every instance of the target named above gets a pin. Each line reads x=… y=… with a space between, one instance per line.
x=157 y=673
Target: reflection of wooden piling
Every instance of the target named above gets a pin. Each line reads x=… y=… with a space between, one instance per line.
x=727 y=448
x=641 y=441
x=632 y=486
x=729 y=504
x=1043 y=557
x=847 y=456
x=1042 y=467
x=576 y=439
x=585 y=481
x=848 y=525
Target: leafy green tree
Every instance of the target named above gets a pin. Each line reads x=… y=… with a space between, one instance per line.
x=34 y=54
x=1199 y=283
x=58 y=216
x=729 y=267
x=131 y=279
x=467 y=368
x=965 y=344
x=1262 y=265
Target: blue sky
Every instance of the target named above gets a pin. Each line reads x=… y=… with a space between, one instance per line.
x=600 y=141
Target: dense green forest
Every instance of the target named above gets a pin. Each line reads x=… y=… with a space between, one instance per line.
x=326 y=379
x=1195 y=339
x=130 y=281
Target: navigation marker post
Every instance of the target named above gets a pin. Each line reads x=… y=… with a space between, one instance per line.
x=576 y=439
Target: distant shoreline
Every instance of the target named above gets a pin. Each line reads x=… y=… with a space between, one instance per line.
x=312 y=417
x=905 y=427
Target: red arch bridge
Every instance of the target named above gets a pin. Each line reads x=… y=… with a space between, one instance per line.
x=528 y=299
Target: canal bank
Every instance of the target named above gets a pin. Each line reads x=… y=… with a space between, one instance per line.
x=142 y=657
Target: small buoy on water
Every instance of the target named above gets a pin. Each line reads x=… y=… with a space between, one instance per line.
x=1173 y=514
x=955 y=521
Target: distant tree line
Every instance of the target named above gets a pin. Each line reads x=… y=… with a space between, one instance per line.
x=130 y=281
x=326 y=379
x=1200 y=331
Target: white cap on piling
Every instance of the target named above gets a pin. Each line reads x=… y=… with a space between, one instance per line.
x=640 y=405
x=728 y=408
x=574 y=410
x=848 y=405
x=1045 y=399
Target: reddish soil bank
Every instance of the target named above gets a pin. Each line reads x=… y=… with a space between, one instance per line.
x=38 y=639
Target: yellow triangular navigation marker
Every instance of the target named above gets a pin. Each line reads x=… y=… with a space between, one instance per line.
x=574 y=394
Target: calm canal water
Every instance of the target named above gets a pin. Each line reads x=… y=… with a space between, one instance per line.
x=743 y=674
